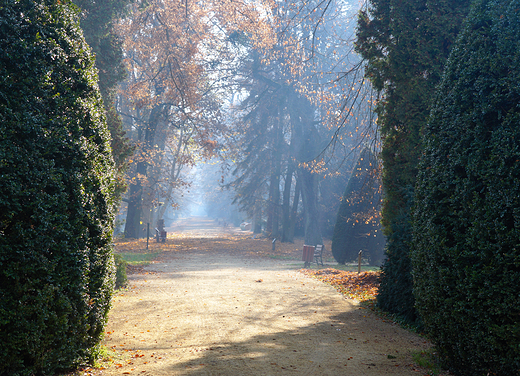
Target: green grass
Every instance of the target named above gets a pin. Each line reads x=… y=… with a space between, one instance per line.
x=102 y=357
x=105 y=356
x=280 y=257
x=139 y=259
x=349 y=267
x=428 y=360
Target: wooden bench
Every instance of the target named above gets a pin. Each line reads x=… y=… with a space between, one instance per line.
x=160 y=235
x=318 y=254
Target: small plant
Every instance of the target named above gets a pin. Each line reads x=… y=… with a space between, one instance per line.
x=427 y=359
x=121 y=278
x=103 y=356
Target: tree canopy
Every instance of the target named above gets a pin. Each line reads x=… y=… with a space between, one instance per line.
x=236 y=81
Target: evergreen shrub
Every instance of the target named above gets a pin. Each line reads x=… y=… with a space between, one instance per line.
x=406 y=44
x=395 y=283
x=357 y=225
x=121 y=277
x=56 y=176
x=466 y=256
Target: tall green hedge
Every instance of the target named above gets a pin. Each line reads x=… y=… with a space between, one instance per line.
x=466 y=257
x=405 y=44
x=396 y=282
x=358 y=225
x=56 y=176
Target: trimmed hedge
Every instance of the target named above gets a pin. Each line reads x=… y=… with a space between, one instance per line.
x=406 y=44
x=466 y=257
x=56 y=176
x=358 y=221
x=395 y=293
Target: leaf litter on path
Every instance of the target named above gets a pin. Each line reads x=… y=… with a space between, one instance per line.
x=359 y=286
x=205 y=294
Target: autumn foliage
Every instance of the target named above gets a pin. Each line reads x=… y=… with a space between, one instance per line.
x=362 y=286
x=181 y=59
x=359 y=286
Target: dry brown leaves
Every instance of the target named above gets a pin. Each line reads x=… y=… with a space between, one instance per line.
x=362 y=286
x=232 y=243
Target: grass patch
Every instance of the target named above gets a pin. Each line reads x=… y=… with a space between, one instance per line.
x=354 y=268
x=281 y=257
x=105 y=357
x=102 y=358
x=139 y=259
x=427 y=359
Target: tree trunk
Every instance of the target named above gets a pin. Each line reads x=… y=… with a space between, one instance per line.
x=294 y=210
x=273 y=218
x=175 y=170
x=134 y=214
x=310 y=203
x=257 y=219
x=306 y=143
x=273 y=205
x=286 y=208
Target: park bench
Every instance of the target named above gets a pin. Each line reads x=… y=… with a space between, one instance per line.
x=311 y=253
x=318 y=254
x=160 y=235
x=160 y=232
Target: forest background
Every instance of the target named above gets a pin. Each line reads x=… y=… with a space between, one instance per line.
x=263 y=106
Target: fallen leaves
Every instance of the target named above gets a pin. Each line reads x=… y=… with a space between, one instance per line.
x=233 y=243
x=362 y=286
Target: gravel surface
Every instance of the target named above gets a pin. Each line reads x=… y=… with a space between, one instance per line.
x=200 y=313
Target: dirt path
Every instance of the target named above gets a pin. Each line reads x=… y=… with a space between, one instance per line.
x=222 y=314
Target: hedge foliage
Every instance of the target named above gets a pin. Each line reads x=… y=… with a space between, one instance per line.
x=358 y=221
x=406 y=44
x=396 y=283
x=56 y=176
x=97 y=22
x=121 y=277
x=466 y=258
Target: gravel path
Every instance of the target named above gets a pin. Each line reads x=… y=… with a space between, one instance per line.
x=216 y=314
